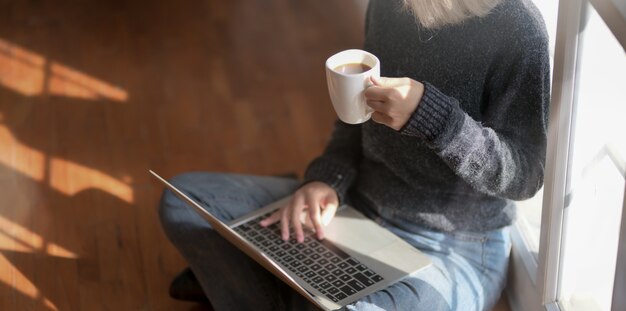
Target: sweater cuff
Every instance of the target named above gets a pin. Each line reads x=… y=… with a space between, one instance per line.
x=432 y=115
x=337 y=176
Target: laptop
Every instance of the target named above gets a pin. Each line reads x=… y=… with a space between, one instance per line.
x=356 y=258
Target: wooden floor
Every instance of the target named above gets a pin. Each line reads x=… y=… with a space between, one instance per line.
x=95 y=93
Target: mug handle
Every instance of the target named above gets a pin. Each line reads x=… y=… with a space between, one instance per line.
x=368 y=110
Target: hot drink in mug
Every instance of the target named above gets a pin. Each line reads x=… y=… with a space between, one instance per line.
x=348 y=75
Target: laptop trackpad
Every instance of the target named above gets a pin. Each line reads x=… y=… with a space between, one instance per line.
x=354 y=232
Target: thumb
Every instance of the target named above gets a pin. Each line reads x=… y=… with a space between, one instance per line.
x=380 y=81
x=331 y=200
x=331 y=203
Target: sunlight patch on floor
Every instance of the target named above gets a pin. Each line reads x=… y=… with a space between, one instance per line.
x=71 y=178
x=31 y=74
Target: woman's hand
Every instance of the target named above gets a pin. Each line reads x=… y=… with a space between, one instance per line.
x=394 y=100
x=320 y=202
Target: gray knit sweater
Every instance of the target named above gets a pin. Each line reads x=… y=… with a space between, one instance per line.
x=477 y=139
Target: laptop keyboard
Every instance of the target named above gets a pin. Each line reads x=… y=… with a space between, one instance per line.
x=321 y=264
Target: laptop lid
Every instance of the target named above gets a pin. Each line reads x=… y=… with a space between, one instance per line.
x=237 y=240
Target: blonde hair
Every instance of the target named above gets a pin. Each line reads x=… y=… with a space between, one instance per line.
x=437 y=13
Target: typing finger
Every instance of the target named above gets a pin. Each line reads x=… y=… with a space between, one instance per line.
x=275 y=217
x=284 y=222
x=296 y=212
x=314 y=214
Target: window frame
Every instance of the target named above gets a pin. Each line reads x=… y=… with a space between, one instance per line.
x=557 y=186
x=619 y=285
x=534 y=281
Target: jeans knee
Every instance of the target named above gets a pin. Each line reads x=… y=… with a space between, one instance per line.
x=175 y=214
x=185 y=182
x=172 y=209
x=167 y=211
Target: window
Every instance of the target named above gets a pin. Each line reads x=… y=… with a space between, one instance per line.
x=591 y=231
x=578 y=234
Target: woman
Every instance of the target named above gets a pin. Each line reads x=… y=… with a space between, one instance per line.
x=459 y=132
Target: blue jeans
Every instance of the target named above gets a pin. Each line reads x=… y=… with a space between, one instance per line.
x=468 y=271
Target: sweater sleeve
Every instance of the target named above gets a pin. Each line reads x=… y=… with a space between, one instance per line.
x=338 y=165
x=504 y=154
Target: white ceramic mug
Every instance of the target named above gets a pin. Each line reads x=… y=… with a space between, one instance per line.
x=346 y=90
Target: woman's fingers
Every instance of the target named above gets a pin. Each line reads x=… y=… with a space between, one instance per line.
x=331 y=203
x=284 y=221
x=394 y=100
x=275 y=217
x=383 y=88
x=314 y=215
x=376 y=93
x=377 y=105
x=296 y=219
x=313 y=199
x=381 y=118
